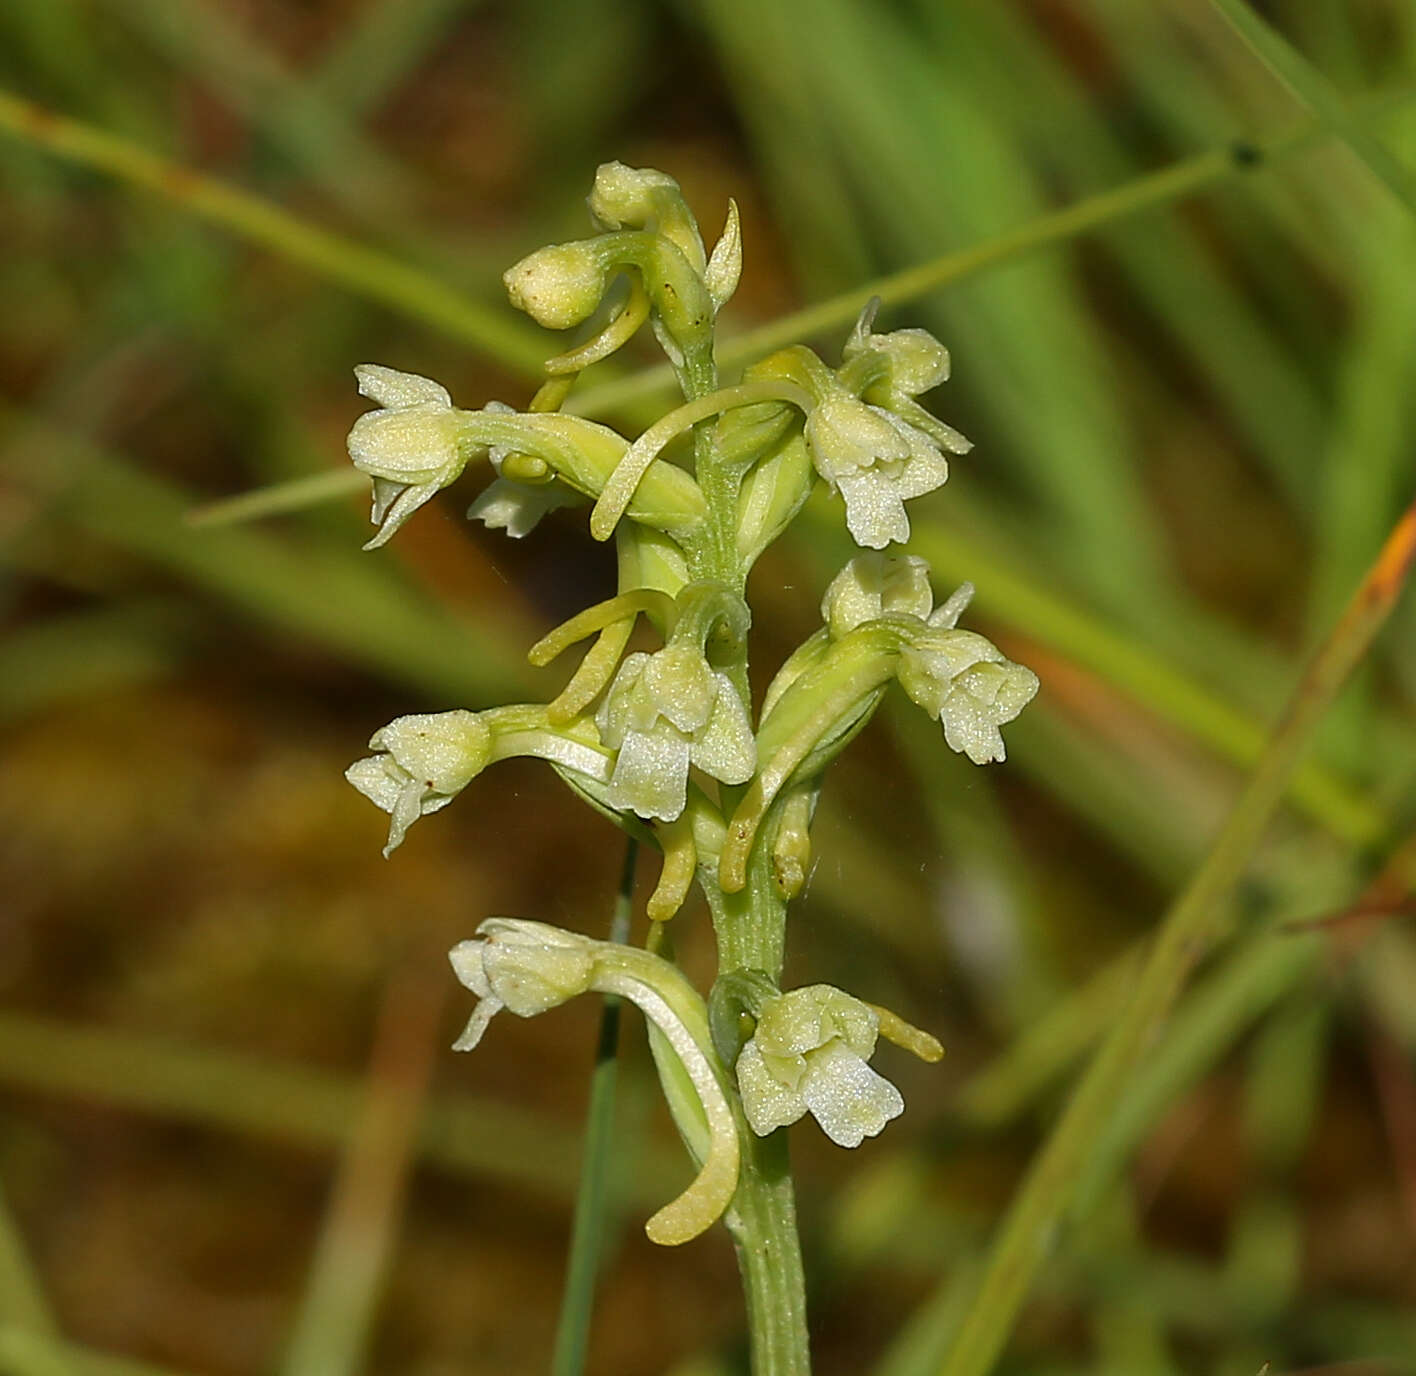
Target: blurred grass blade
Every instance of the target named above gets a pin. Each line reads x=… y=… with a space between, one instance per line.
x=377 y=46
x=345 y=1283
x=1048 y=1190
x=338 y=596
x=1211 y=1020
x=931 y=1328
x=587 y=1235
x=295 y=1103
x=279 y=499
x=371 y=274
x=1315 y=91
x=994 y=1096
x=81 y=653
x=210 y=43
x=26 y=1353
x=1251 y=364
x=23 y=1304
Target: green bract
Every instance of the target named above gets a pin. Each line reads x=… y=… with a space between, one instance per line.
x=661 y=735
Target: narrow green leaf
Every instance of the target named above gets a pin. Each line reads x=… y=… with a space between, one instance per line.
x=587 y=1238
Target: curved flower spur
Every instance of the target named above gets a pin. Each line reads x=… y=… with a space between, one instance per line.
x=529 y=967
x=662 y=736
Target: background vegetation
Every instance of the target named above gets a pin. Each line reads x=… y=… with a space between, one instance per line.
x=1185 y=346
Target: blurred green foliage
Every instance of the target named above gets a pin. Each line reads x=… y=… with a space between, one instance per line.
x=1193 y=413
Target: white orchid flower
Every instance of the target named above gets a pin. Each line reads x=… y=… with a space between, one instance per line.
x=966 y=681
x=663 y=713
x=808 y=1055
x=412 y=447
x=876 y=461
x=529 y=967
x=424 y=761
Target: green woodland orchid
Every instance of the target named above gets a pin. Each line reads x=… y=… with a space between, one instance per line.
x=664 y=738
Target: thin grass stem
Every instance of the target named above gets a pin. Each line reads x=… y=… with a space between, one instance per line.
x=23 y=1303
x=587 y=1236
x=1320 y=96
x=352 y=1253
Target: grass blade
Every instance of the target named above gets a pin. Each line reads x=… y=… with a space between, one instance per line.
x=588 y=1228
x=279 y=499
x=296 y=1104
x=365 y=271
x=377 y=47
x=351 y=1256
x=1320 y=96
x=1049 y=1188
x=22 y=1300
x=26 y=1353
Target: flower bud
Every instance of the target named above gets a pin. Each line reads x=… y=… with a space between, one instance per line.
x=624 y=195
x=875 y=585
x=643 y=198
x=560 y=285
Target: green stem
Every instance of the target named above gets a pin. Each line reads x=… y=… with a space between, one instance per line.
x=587 y=1231
x=751 y=931
x=751 y=925
x=1050 y=1188
x=762 y=1221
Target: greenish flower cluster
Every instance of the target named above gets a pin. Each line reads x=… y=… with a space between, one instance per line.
x=661 y=734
